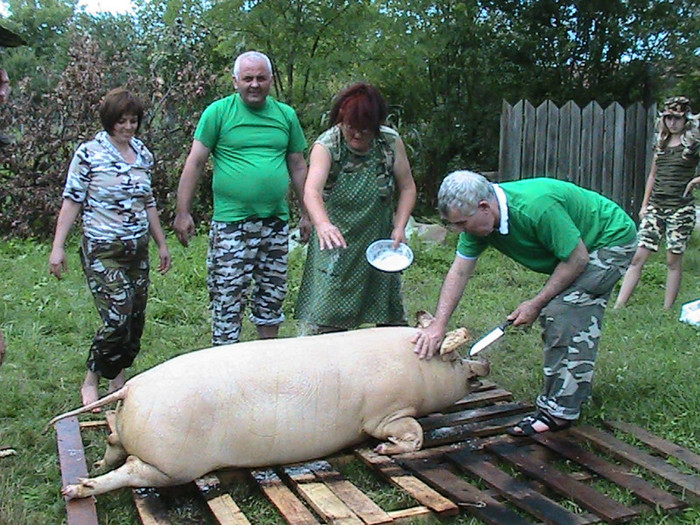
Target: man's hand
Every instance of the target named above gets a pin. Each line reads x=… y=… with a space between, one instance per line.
x=305 y=228
x=184 y=227
x=525 y=314
x=427 y=341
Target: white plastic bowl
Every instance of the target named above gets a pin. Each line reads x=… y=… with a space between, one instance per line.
x=382 y=256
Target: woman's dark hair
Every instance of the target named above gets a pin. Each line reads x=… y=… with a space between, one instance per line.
x=117 y=103
x=360 y=106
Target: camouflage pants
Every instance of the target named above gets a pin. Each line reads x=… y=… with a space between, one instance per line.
x=571 y=328
x=117 y=275
x=254 y=250
x=677 y=224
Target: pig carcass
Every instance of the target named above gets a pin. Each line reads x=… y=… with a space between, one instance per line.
x=273 y=402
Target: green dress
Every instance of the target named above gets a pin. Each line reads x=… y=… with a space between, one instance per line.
x=339 y=287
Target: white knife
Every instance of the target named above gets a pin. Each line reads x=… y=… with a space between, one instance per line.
x=490 y=338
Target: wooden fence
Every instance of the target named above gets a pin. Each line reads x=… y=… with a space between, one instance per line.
x=607 y=150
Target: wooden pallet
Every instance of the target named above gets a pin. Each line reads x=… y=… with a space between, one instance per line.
x=467 y=465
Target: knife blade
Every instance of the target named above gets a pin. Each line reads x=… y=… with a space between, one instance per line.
x=490 y=338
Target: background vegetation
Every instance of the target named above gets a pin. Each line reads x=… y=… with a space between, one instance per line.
x=646 y=371
x=444 y=66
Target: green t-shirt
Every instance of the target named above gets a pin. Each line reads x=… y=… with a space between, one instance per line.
x=249 y=148
x=546 y=220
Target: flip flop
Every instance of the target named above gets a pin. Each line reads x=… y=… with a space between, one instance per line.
x=526 y=426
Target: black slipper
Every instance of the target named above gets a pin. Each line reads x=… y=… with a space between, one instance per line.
x=526 y=428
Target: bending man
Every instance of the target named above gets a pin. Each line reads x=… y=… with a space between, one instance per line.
x=583 y=240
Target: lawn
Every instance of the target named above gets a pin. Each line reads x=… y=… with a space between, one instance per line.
x=646 y=371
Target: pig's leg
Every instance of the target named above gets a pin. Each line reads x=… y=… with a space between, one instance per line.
x=114 y=455
x=403 y=435
x=134 y=473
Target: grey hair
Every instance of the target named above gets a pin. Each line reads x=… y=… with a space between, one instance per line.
x=463 y=191
x=250 y=55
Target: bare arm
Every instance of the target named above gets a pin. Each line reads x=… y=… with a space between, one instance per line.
x=647 y=188
x=66 y=217
x=407 y=193
x=427 y=340
x=4 y=86
x=159 y=238
x=564 y=274
x=191 y=173
x=329 y=235
x=298 y=171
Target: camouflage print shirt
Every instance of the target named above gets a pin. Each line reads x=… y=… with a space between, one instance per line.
x=114 y=193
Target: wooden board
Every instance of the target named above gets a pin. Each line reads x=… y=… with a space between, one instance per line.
x=545 y=473
x=71 y=456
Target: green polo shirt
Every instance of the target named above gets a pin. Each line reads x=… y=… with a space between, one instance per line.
x=249 y=148
x=547 y=218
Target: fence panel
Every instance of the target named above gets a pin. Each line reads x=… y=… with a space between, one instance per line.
x=607 y=150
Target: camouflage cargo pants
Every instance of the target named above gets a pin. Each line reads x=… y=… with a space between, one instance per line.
x=117 y=275
x=571 y=328
x=254 y=250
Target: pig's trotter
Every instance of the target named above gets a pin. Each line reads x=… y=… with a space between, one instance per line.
x=402 y=435
x=134 y=473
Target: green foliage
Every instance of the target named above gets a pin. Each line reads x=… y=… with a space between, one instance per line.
x=444 y=67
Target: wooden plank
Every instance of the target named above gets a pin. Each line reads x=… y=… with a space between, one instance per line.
x=321 y=498
x=409 y=483
x=660 y=445
x=527 y=169
x=618 y=141
x=446 y=435
x=551 y=168
x=410 y=515
x=292 y=509
x=71 y=456
x=565 y=169
x=540 y=159
x=608 y=151
x=353 y=497
x=587 y=125
x=587 y=497
x=618 y=474
x=220 y=503
x=609 y=443
x=100 y=423
x=473 y=415
x=150 y=507
x=510 y=139
x=481 y=398
x=518 y=492
x=468 y=497
x=596 y=180
x=575 y=143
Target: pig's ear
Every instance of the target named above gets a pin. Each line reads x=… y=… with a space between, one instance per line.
x=453 y=340
x=423 y=319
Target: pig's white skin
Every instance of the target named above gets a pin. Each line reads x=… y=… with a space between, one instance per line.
x=273 y=402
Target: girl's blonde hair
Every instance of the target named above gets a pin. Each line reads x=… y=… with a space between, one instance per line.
x=690 y=137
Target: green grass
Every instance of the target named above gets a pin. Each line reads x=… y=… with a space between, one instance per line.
x=646 y=371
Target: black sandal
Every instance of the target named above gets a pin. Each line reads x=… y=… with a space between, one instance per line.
x=526 y=426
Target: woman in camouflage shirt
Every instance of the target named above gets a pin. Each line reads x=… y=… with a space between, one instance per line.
x=110 y=180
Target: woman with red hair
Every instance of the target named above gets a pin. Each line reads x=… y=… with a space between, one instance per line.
x=355 y=169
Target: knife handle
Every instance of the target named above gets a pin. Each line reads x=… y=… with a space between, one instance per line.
x=507 y=323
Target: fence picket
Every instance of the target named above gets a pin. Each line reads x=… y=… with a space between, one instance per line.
x=607 y=150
